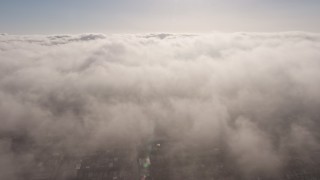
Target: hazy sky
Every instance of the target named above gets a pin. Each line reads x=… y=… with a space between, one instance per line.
x=131 y=16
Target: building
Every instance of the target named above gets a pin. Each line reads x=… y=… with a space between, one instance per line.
x=112 y=164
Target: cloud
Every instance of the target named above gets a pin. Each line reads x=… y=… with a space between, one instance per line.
x=257 y=93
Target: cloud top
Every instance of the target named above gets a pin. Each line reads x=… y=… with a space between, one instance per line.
x=257 y=93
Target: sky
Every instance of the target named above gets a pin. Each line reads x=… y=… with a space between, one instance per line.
x=141 y=16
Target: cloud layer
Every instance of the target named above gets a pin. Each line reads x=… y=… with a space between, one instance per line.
x=256 y=93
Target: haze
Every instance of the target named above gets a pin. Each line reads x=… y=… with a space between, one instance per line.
x=145 y=16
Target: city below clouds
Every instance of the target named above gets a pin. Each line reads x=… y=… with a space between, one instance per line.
x=159 y=90
x=258 y=93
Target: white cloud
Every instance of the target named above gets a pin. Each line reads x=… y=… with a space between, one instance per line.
x=255 y=92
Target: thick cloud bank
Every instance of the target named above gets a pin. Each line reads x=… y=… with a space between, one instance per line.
x=258 y=94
